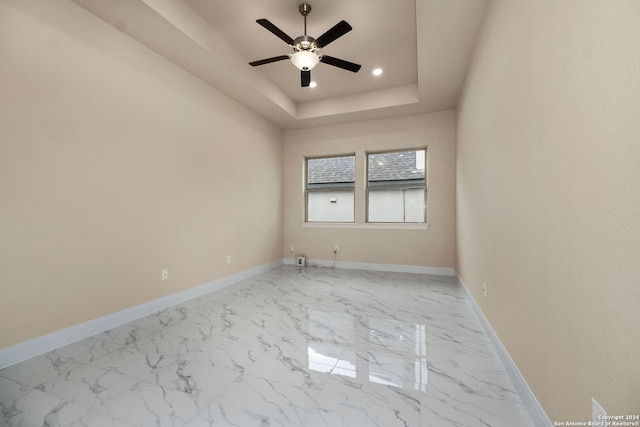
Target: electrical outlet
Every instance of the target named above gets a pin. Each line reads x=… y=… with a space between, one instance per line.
x=165 y=274
x=484 y=289
x=598 y=414
x=336 y=249
x=228 y=259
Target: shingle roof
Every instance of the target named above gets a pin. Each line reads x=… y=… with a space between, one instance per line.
x=398 y=166
x=332 y=169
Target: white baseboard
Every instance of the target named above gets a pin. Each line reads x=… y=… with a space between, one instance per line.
x=395 y=268
x=537 y=414
x=37 y=346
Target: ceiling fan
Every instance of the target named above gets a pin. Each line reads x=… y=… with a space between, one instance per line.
x=306 y=54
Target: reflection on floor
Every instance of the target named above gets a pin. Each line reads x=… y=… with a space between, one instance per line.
x=401 y=363
x=291 y=347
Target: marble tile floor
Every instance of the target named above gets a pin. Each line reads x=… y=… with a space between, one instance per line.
x=312 y=347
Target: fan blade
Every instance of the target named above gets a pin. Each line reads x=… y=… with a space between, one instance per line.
x=340 y=63
x=338 y=30
x=275 y=30
x=305 y=78
x=269 y=60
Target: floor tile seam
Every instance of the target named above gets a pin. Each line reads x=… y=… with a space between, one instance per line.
x=410 y=402
x=117 y=371
x=364 y=410
x=126 y=343
x=189 y=339
x=255 y=358
x=196 y=396
x=312 y=394
x=305 y=408
x=136 y=381
x=462 y=343
x=214 y=332
x=209 y=347
x=457 y=333
x=427 y=420
x=468 y=383
x=403 y=393
x=88 y=362
x=66 y=401
x=60 y=401
x=78 y=366
x=462 y=407
x=451 y=389
x=102 y=409
x=297 y=366
x=7 y=378
x=502 y=388
x=27 y=390
x=21 y=382
x=111 y=353
x=23 y=378
x=91 y=407
x=407 y=357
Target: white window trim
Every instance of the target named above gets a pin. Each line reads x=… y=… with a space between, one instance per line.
x=368 y=225
x=305 y=208
x=367 y=186
x=361 y=187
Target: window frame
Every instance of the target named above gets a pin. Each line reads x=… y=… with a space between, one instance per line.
x=337 y=187
x=398 y=187
x=360 y=204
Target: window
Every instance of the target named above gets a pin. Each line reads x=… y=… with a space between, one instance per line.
x=396 y=186
x=330 y=188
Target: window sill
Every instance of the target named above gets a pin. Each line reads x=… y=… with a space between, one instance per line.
x=367 y=226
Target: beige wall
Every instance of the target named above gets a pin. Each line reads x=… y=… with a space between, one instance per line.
x=548 y=195
x=115 y=164
x=434 y=247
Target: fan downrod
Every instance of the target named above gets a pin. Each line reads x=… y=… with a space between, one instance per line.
x=304 y=9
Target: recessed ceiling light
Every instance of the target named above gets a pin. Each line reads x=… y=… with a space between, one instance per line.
x=313 y=84
x=377 y=71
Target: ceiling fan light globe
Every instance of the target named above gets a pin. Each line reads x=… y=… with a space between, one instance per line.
x=305 y=60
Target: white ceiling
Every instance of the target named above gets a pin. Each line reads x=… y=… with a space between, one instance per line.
x=423 y=46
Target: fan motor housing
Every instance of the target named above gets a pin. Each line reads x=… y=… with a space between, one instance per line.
x=305 y=43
